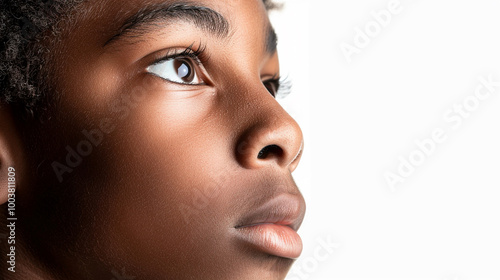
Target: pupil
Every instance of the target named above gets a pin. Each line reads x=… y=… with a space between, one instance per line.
x=183 y=70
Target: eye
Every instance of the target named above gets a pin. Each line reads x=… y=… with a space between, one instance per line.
x=181 y=70
x=278 y=87
x=272 y=86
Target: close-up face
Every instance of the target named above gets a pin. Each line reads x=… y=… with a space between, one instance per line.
x=166 y=153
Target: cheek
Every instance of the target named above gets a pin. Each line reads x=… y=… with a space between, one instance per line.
x=163 y=171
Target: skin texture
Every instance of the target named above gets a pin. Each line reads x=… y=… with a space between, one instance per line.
x=174 y=168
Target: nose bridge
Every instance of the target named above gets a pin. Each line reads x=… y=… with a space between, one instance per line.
x=266 y=133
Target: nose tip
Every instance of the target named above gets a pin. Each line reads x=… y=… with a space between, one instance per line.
x=276 y=142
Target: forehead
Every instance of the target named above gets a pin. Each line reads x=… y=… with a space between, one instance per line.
x=126 y=19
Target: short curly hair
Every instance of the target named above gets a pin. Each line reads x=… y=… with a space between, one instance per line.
x=25 y=26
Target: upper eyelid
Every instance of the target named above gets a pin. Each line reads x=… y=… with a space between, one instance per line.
x=199 y=52
x=276 y=79
x=188 y=52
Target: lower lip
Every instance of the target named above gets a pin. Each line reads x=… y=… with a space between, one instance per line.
x=274 y=239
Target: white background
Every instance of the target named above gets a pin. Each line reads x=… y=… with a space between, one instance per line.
x=361 y=117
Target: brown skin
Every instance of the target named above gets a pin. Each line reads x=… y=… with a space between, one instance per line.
x=162 y=193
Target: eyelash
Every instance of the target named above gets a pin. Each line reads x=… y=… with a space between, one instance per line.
x=198 y=56
x=283 y=85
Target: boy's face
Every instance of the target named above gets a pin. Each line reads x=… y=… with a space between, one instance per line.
x=159 y=165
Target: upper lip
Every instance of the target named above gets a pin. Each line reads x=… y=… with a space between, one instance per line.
x=284 y=209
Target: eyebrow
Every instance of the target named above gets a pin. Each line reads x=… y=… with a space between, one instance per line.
x=271 y=40
x=149 y=18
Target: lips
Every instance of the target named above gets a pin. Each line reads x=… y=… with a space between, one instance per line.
x=272 y=227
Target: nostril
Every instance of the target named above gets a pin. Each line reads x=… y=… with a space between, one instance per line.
x=270 y=149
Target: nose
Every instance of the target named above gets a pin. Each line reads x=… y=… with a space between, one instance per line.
x=271 y=136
